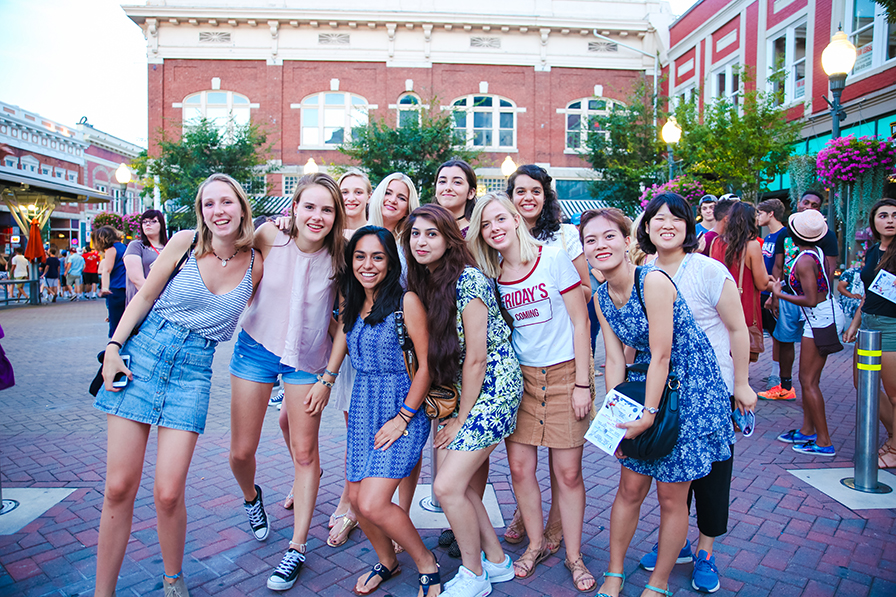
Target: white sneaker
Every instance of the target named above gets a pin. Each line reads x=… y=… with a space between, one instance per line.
x=467 y=584
x=498 y=572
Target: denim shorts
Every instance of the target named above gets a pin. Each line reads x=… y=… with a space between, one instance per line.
x=886 y=326
x=789 y=327
x=253 y=362
x=172 y=368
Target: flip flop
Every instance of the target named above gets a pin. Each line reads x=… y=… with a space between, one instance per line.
x=381 y=571
x=348 y=525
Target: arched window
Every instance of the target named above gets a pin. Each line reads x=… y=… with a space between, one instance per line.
x=225 y=109
x=327 y=115
x=486 y=121
x=578 y=115
x=408 y=109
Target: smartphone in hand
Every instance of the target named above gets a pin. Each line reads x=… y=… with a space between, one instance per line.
x=121 y=380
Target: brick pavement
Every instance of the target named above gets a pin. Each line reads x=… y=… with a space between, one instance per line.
x=785 y=537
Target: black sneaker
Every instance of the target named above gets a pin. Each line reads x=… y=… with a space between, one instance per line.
x=258 y=519
x=454 y=549
x=286 y=574
x=446 y=538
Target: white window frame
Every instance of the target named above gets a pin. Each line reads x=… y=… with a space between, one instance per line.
x=100 y=187
x=71 y=176
x=237 y=107
x=473 y=106
x=46 y=170
x=585 y=112
x=733 y=80
x=289 y=183
x=29 y=164
x=874 y=53
x=793 y=90
x=685 y=94
x=59 y=172
x=408 y=103
x=315 y=129
x=11 y=162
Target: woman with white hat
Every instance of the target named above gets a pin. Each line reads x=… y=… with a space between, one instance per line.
x=813 y=292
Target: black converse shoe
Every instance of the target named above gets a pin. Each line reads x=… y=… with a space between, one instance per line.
x=286 y=574
x=258 y=520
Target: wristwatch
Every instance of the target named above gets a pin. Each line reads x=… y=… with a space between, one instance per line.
x=652 y=411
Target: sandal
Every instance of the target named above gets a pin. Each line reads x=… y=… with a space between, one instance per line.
x=289 y=502
x=515 y=532
x=613 y=575
x=886 y=446
x=580 y=574
x=428 y=579
x=665 y=592
x=553 y=535
x=397 y=548
x=344 y=530
x=882 y=458
x=381 y=571
x=529 y=560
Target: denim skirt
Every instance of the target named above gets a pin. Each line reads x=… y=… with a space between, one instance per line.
x=172 y=368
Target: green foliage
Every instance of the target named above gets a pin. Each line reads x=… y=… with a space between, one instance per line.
x=741 y=146
x=889 y=8
x=203 y=149
x=630 y=157
x=803 y=177
x=416 y=149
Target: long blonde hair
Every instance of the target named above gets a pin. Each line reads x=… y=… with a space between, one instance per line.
x=335 y=239
x=379 y=194
x=488 y=258
x=247 y=228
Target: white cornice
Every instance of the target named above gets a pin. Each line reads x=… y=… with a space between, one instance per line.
x=109 y=142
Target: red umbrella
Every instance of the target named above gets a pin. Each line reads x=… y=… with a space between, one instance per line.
x=35 y=248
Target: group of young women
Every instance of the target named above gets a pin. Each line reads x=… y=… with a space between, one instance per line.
x=492 y=293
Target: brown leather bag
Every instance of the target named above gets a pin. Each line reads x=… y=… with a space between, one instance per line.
x=757 y=342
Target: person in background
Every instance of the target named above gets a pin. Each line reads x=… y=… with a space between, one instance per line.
x=720 y=210
x=456 y=191
x=91 y=270
x=789 y=325
x=708 y=219
x=851 y=290
x=113 y=274
x=74 y=267
x=142 y=252
x=51 y=273
x=19 y=266
x=770 y=214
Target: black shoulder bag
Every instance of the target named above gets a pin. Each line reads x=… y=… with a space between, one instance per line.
x=660 y=438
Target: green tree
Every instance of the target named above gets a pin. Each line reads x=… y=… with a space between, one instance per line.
x=181 y=165
x=737 y=146
x=417 y=149
x=630 y=156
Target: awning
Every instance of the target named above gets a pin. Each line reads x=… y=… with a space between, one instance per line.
x=574 y=207
x=270 y=205
x=27 y=185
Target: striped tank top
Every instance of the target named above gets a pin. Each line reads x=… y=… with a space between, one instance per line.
x=187 y=302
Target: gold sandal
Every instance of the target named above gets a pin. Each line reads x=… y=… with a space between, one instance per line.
x=345 y=529
x=553 y=535
x=529 y=560
x=516 y=531
x=580 y=574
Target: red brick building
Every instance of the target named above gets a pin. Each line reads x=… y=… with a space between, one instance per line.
x=520 y=77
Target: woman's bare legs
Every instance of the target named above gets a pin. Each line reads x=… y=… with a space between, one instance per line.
x=303 y=442
x=571 y=500
x=248 y=405
x=633 y=488
x=523 y=461
x=173 y=463
x=811 y=365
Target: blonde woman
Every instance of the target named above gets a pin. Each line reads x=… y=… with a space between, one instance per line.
x=356 y=190
x=539 y=287
x=392 y=200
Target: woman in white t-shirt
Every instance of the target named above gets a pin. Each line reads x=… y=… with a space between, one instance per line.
x=539 y=288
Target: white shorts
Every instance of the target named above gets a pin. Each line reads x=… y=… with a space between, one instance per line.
x=822 y=315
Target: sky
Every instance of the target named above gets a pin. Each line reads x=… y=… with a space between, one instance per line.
x=64 y=59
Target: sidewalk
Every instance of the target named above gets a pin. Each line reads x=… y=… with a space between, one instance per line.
x=785 y=538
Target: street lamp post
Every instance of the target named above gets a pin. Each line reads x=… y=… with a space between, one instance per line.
x=671 y=134
x=837 y=60
x=123 y=176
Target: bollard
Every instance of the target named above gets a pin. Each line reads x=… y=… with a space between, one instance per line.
x=869 y=358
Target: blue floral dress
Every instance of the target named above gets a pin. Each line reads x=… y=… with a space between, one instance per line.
x=493 y=417
x=705 y=410
x=381 y=385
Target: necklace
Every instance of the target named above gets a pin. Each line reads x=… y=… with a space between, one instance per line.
x=224 y=261
x=460 y=218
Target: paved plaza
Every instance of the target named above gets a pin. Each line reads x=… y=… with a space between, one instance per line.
x=785 y=537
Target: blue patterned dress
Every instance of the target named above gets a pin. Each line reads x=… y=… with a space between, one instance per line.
x=381 y=385
x=493 y=417
x=706 y=429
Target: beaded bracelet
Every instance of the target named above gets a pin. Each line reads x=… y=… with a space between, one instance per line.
x=331 y=374
x=321 y=379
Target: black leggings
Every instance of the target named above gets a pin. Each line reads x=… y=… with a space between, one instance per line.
x=115 y=303
x=712 y=494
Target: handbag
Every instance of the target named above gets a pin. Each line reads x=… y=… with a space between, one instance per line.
x=826 y=338
x=440 y=401
x=660 y=438
x=757 y=343
x=98 y=381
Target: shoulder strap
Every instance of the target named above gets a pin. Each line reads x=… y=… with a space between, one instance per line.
x=184 y=257
x=740 y=276
x=638 y=284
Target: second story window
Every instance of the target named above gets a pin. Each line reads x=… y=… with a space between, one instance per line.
x=580 y=122
x=225 y=109
x=871 y=34
x=787 y=51
x=327 y=116
x=408 y=109
x=485 y=121
x=726 y=83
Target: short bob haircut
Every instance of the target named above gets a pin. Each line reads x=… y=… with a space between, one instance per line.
x=388 y=293
x=548 y=221
x=335 y=239
x=106 y=236
x=487 y=257
x=470 y=175
x=611 y=214
x=154 y=214
x=680 y=208
x=375 y=206
x=247 y=226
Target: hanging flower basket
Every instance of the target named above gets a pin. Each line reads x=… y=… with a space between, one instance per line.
x=686 y=186
x=128 y=225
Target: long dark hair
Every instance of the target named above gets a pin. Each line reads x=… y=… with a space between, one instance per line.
x=438 y=290
x=470 y=175
x=154 y=214
x=548 y=221
x=388 y=293
x=740 y=230
x=888 y=259
x=680 y=208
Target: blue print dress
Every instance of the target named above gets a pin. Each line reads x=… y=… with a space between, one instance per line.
x=493 y=417
x=706 y=429
x=381 y=385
